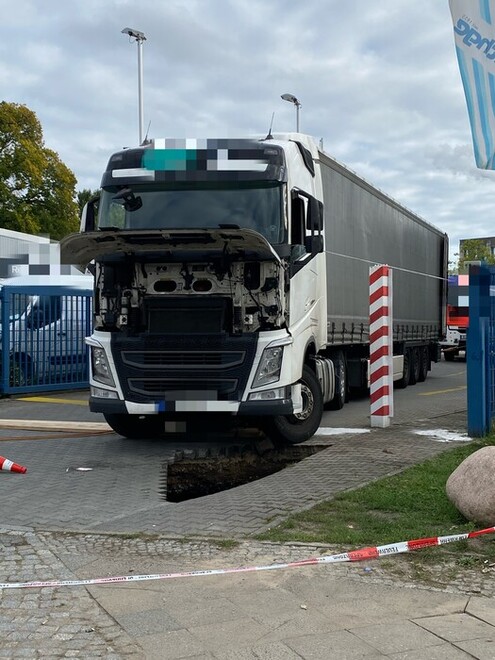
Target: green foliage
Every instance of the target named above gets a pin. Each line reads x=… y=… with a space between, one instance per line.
x=37 y=191
x=454 y=267
x=83 y=196
x=474 y=249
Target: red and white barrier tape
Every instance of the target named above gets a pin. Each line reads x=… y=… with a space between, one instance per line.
x=353 y=555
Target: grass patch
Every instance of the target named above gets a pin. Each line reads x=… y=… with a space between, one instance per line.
x=407 y=506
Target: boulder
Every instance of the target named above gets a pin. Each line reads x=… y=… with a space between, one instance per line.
x=471 y=487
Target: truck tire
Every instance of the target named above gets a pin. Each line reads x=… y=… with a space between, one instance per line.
x=415 y=365
x=406 y=371
x=293 y=429
x=135 y=427
x=340 y=367
x=449 y=356
x=424 y=363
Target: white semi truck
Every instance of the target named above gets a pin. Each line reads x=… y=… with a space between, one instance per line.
x=231 y=278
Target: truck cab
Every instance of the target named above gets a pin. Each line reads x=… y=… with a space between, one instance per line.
x=210 y=285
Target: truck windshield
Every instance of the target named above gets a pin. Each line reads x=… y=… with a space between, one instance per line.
x=161 y=206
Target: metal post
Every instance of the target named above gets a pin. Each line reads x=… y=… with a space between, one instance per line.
x=292 y=99
x=476 y=351
x=140 y=90
x=5 y=340
x=139 y=37
x=381 y=370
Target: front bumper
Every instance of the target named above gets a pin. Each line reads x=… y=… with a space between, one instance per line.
x=175 y=408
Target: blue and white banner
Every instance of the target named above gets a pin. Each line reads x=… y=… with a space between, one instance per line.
x=474 y=33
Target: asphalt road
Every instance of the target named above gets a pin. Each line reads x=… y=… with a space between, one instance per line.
x=86 y=480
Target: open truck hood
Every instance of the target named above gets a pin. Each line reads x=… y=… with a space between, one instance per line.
x=245 y=244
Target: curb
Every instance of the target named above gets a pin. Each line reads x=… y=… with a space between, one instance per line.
x=39 y=424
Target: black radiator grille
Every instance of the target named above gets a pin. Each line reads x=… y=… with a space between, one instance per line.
x=155 y=368
x=182 y=360
x=163 y=387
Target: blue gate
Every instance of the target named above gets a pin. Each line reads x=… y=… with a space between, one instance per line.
x=481 y=350
x=42 y=337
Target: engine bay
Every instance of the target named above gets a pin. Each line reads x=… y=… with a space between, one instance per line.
x=134 y=296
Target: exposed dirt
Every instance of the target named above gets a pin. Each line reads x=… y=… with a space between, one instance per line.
x=188 y=478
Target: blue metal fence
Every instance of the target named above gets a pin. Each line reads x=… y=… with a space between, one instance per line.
x=480 y=350
x=42 y=337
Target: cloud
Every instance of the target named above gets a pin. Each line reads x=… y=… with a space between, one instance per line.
x=377 y=81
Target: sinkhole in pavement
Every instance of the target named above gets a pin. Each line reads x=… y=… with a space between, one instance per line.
x=188 y=478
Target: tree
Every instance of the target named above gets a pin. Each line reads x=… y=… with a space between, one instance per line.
x=37 y=191
x=474 y=249
x=83 y=196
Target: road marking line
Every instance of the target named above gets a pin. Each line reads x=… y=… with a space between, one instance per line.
x=49 y=399
x=457 y=373
x=452 y=389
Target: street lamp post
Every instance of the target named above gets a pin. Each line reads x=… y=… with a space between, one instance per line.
x=139 y=37
x=292 y=99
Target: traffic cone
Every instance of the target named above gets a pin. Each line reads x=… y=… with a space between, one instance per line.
x=9 y=466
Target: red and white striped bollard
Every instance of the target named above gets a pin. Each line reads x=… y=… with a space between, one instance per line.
x=381 y=348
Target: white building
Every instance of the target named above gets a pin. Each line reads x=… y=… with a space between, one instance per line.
x=26 y=254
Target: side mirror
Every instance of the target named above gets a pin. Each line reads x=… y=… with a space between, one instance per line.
x=315 y=215
x=314 y=244
x=88 y=215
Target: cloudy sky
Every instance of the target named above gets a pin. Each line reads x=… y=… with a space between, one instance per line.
x=378 y=82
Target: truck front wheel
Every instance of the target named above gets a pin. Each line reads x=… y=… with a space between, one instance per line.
x=136 y=427
x=293 y=429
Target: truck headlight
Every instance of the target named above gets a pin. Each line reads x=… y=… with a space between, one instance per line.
x=99 y=363
x=269 y=367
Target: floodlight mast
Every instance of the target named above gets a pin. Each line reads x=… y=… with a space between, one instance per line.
x=139 y=37
x=292 y=99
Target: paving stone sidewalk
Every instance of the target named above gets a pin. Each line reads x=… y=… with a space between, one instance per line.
x=326 y=612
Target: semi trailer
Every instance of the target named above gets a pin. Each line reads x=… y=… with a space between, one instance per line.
x=231 y=280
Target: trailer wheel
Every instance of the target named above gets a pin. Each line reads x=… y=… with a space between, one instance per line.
x=340 y=396
x=406 y=371
x=415 y=365
x=136 y=427
x=293 y=429
x=424 y=363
